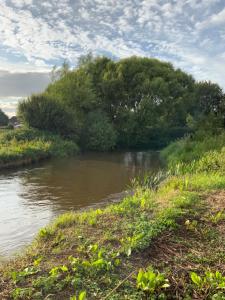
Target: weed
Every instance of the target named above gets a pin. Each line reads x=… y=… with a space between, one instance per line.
x=218 y=217
x=150 y=281
x=82 y=296
x=20 y=276
x=208 y=284
x=22 y=293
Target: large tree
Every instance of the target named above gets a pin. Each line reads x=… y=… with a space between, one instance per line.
x=143 y=100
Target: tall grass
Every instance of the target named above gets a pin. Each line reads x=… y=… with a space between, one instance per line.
x=193 y=155
x=189 y=149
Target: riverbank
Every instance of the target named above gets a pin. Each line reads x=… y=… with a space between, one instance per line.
x=155 y=244
x=26 y=146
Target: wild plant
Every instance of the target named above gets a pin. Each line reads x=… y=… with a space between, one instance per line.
x=151 y=282
x=208 y=284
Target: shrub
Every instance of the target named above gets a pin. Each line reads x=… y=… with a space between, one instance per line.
x=99 y=134
x=44 y=113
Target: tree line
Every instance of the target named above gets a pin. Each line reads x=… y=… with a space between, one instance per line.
x=131 y=103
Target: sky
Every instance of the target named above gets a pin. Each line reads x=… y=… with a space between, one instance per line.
x=36 y=35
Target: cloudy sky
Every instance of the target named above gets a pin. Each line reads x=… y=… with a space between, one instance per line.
x=35 y=35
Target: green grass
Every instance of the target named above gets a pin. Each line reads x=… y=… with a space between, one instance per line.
x=22 y=146
x=189 y=149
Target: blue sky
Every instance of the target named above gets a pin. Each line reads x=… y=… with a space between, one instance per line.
x=35 y=35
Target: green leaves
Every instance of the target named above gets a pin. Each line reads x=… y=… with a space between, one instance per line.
x=3 y=118
x=209 y=282
x=196 y=279
x=150 y=281
x=57 y=270
x=142 y=102
x=98 y=133
x=20 y=276
x=82 y=296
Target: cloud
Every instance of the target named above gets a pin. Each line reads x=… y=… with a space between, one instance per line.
x=22 y=84
x=9 y=104
x=213 y=20
x=15 y=86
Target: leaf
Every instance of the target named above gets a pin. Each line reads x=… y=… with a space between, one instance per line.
x=37 y=261
x=140 y=275
x=165 y=285
x=64 y=268
x=82 y=295
x=196 y=279
x=129 y=252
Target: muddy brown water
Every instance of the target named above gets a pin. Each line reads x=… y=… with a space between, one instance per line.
x=33 y=196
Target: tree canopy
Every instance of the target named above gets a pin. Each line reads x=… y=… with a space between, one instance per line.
x=4 y=120
x=133 y=103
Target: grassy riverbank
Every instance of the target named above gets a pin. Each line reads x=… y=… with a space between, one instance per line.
x=166 y=241
x=24 y=146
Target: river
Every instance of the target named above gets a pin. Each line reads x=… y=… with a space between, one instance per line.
x=33 y=196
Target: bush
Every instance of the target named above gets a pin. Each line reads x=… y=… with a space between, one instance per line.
x=4 y=120
x=99 y=134
x=41 y=112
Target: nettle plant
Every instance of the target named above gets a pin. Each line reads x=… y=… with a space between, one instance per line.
x=151 y=282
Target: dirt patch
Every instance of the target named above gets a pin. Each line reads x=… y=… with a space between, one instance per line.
x=216 y=201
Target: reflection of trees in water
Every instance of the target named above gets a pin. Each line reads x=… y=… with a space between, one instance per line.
x=73 y=183
x=143 y=161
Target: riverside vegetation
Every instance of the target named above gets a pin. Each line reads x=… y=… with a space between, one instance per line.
x=167 y=240
x=134 y=103
x=24 y=146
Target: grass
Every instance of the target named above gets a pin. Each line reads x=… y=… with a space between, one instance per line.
x=23 y=146
x=190 y=149
x=164 y=242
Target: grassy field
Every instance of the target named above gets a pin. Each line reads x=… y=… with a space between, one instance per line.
x=167 y=241
x=24 y=146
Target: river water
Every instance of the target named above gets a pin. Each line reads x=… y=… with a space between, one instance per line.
x=31 y=197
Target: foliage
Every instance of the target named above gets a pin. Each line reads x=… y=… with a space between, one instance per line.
x=208 y=283
x=22 y=146
x=4 y=120
x=150 y=281
x=81 y=296
x=99 y=133
x=195 y=148
x=143 y=102
x=41 y=112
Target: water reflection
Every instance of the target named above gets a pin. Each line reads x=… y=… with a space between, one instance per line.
x=31 y=197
